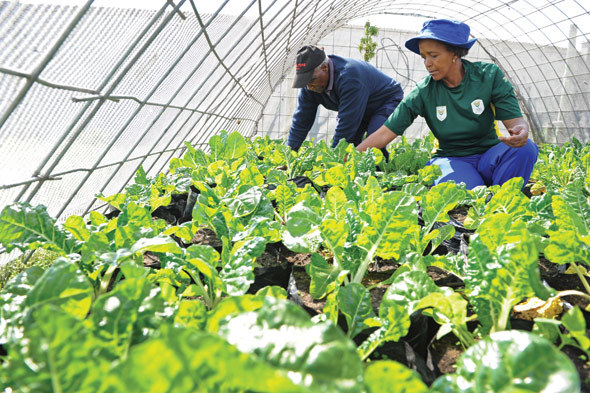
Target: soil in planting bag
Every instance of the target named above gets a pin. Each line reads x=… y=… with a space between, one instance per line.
x=521 y=324
x=453 y=244
x=112 y=212
x=511 y=361
x=174 y=211
x=151 y=260
x=464 y=246
x=526 y=190
x=293 y=295
x=412 y=350
x=301 y=181
x=422 y=331
x=187 y=214
x=271 y=276
x=273 y=270
x=403 y=353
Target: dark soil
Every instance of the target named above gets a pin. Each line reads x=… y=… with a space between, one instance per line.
x=302 y=281
x=459 y=213
x=206 y=236
x=445 y=353
x=561 y=281
x=151 y=260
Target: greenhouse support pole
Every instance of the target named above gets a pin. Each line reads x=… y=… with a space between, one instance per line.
x=567 y=87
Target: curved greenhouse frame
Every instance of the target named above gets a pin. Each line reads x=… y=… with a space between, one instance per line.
x=90 y=93
x=157 y=233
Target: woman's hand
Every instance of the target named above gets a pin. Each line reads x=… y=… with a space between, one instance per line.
x=519 y=132
x=379 y=139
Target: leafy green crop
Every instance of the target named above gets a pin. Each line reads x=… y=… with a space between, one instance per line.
x=98 y=320
x=511 y=361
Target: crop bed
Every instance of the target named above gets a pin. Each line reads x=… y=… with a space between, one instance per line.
x=252 y=268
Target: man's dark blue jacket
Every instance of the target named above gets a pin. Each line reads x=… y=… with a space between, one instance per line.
x=359 y=90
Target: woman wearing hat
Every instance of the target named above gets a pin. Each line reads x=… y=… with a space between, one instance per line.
x=461 y=102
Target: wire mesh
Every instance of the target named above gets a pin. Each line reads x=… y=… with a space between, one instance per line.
x=90 y=91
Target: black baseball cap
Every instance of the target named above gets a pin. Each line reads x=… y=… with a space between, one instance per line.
x=308 y=58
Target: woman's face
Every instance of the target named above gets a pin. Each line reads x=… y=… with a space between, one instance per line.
x=438 y=60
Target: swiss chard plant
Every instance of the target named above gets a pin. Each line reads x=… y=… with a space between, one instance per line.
x=501 y=270
x=522 y=362
x=570 y=241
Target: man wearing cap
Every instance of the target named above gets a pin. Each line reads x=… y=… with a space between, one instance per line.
x=461 y=102
x=363 y=96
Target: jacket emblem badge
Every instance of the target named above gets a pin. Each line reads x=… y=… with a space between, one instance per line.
x=441 y=112
x=477 y=106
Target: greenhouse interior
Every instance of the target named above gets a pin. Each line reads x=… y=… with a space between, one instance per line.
x=160 y=231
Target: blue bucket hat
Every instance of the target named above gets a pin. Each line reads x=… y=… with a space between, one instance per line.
x=452 y=32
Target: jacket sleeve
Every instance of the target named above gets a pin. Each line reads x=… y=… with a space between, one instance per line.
x=353 y=102
x=303 y=119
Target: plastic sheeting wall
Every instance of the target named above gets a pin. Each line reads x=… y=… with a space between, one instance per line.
x=89 y=93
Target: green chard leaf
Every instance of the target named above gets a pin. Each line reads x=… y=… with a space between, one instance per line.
x=325 y=278
x=407 y=290
x=115 y=314
x=57 y=354
x=334 y=233
x=392 y=377
x=393 y=323
x=575 y=215
x=354 y=301
x=393 y=219
x=501 y=270
x=449 y=309
x=285 y=199
x=511 y=361
x=238 y=271
x=191 y=313
x=246 y=202
x=27 y=227
x=568 y=247
x=185 y=360
x=302 y=234
x=235 y=146
x=574 y=322
x=335 y=203
x=510 y=200
x=438 y=201
x=317 y=357
x=12 y=304
x=65 y=286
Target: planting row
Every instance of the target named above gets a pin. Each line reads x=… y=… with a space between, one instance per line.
x=195 y=320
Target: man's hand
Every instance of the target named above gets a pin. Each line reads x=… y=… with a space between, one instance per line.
x=518 y=130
